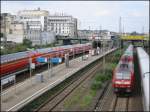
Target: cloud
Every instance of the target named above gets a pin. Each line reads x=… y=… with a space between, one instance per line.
x=103 y=13
x=136 y=14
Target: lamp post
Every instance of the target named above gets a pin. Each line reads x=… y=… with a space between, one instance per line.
x=30 y=63
x=103 y=58
x=48 y=62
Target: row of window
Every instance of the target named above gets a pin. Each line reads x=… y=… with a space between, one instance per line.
x=57 y=31
x=35 y=17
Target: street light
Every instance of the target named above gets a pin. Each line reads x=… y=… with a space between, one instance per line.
x=31 y=65
x=103 y=58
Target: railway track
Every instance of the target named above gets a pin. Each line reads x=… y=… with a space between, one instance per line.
x=102 y=103
x=121 y=104
x=108 y=101
x=52 y=102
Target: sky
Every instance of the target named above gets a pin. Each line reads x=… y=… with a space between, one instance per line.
x=92 y=15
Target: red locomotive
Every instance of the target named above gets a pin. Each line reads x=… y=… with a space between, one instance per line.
x=123 y=74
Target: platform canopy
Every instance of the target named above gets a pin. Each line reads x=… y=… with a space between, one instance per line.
x=133 y=37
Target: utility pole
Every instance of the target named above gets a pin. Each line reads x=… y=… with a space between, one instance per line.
x=120 y=26
x=103 y=57
x=123 y=29
x=120 y=30
x=143 y=30
x=100 y=32
x=5 y=33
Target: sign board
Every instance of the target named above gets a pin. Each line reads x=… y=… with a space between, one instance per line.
x=41 y=60
x=32 y=65
x=8 y=79
x=56 y=60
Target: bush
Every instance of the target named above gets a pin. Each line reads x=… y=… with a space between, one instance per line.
x=98 y=77
x=96 y=85
x=103 y=77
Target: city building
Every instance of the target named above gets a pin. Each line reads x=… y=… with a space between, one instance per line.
x=96 y=34
x=16 y=33
x=11 y=30
x=6 y=20
x=47 y=37
x=38 y=26
x=63 y=25
x=85 y=33
x=34 y=19
x=35 y=24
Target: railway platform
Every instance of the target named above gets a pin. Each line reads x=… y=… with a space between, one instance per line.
x=22 y=93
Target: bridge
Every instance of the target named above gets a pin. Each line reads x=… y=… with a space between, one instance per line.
x=141 y=40
x=68 y=40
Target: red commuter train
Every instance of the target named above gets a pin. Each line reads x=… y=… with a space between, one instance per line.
x=17 y=62
x=123 y=75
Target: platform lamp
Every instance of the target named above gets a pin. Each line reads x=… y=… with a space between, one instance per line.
x=30 y=61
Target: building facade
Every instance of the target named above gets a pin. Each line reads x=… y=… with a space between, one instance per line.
x=6 y=20
x=35 y=22
x=34 y=19
x=16 y=33
x=11 y=29
x=62 y=25
x=37 y=25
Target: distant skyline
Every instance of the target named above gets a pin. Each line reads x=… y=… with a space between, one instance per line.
x=92 y=14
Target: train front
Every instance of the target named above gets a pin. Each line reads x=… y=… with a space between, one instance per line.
x=123 y=78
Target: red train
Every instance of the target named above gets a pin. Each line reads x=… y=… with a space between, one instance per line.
x=123 y=75
x=16 y=62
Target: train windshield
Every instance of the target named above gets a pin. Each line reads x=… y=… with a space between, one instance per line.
x=123 y=75
x=123 y=72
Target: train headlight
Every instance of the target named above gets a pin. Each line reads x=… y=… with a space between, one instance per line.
x=126 y=82
x=117 y=82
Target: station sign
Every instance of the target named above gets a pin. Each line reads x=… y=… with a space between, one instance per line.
x=56 y=60
x=41 y=60
x=32 y=65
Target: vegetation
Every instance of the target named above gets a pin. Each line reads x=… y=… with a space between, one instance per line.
x=1 y=34
x=13 y=48
x=27 y=43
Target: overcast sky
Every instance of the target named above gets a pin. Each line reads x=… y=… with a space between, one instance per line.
x=135 y=14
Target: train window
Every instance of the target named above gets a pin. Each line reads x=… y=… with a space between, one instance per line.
x=123 y=75
x=119 y=76
x=126 y=75
x=123 y=66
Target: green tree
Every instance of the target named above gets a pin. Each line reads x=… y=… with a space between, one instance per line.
x=134 y=33
x=1 y=34
x=27 y=42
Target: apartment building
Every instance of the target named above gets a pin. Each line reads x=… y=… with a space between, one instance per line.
x=62 y=25
x=35 y=23
x=16 y=33
x=11 y=29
